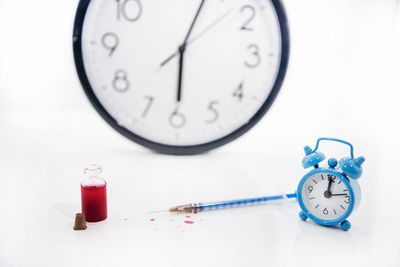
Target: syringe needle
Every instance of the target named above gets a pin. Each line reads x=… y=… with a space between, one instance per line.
x=158 y=211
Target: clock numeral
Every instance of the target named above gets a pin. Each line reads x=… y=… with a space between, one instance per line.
x=310 y=189
x=347 y=200
x=252 y=12
x=130 y=10
x=150 y=100
x=177 y=119
x=331 y=177
x=325 y=211
x=255 y=52
x=110 y=41
x=239 y=92
x=120 y=82
x=211 y=108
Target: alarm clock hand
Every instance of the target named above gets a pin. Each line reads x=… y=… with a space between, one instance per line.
x=328 y=192
x=334 y=195
x=182 y=49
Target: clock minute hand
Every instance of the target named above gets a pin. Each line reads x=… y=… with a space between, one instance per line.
x=181 y=51
x=338 y=195
x=196 y=37
x=328 y=193
x=209 y=27
x=194 y=21
x=329 y=185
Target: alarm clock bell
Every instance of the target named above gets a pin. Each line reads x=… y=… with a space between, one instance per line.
x=352 y=167
x=312 y=158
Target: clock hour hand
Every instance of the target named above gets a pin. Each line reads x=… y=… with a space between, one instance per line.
x=181 y=51
x=202 y=33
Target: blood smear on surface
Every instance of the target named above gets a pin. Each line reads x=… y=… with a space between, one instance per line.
x=189 y=222
x=152 y=220
x=195 y=212
x=187 y=216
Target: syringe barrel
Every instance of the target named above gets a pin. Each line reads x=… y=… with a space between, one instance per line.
x=238 y=202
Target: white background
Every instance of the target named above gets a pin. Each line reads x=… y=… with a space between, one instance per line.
x=343 y=81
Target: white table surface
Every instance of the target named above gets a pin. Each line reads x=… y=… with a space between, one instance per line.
x=49 y=133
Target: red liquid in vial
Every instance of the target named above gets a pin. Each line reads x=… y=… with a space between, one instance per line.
x=94 y=202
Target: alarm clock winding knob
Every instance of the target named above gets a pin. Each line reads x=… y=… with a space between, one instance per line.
x=332 y=163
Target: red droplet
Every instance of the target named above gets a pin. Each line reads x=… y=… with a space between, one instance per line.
x=152 y=220
x=187 y=216
x=195 y=212
x=189 y=222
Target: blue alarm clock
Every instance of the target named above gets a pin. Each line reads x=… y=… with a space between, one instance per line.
x=328 y=195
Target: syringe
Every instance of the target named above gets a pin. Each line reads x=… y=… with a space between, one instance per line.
x=198 y=207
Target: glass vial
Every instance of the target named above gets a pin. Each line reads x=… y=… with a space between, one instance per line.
x=94 y=194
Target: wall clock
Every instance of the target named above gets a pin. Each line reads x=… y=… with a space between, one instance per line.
x=181 y=76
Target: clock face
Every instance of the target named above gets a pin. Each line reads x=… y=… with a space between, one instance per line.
x=181 y=76
x=326 y=196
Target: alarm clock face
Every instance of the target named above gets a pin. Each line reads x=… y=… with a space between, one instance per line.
x=181 y=76
x=326 y=197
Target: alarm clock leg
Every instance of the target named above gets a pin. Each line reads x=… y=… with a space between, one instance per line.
x=345 y=225
x=302 y=215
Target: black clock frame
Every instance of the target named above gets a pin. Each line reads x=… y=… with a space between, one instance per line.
x=170 y=149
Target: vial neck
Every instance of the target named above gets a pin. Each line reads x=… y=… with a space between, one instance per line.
x=93 y=176
x=93 y=181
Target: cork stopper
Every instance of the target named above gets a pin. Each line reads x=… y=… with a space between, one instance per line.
x=80 y=222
